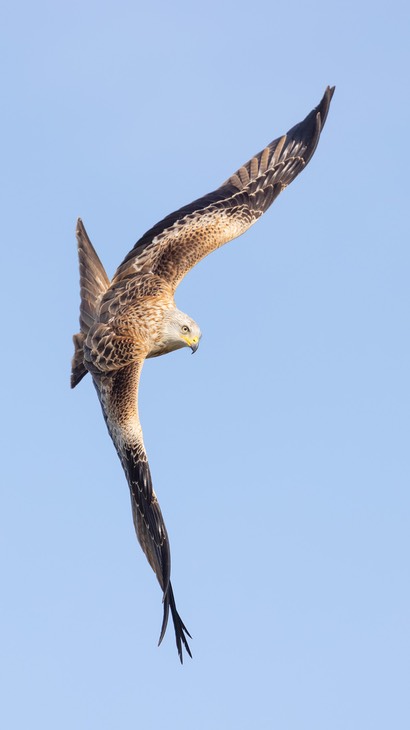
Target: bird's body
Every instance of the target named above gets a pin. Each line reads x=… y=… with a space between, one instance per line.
x=134 y=317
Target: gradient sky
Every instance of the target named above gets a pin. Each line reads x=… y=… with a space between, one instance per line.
x=280 y=452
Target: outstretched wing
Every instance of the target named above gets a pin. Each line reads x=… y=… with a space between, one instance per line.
x=118 y=393
x=174 y=245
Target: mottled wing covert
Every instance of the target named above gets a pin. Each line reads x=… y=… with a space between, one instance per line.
x=178 y=242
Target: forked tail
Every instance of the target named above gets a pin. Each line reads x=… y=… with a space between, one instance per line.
x=179 y=626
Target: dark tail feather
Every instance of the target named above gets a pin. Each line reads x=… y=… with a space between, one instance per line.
x=179 y=626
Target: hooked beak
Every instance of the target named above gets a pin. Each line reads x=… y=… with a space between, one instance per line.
x=193 y=344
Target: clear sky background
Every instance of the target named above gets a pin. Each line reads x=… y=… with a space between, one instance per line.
x=280 y=452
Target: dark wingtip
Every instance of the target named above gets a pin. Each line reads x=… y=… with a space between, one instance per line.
x=309 y=130
x=77 y=375
x=80 y=231
x=323 y=107
x=181 y=631
x=77 y=365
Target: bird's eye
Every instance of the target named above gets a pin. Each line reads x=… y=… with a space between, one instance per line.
x=185 y=329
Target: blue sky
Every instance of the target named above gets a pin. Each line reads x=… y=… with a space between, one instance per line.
x=280 y=452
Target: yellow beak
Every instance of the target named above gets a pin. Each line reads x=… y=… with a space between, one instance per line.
x=193 y=343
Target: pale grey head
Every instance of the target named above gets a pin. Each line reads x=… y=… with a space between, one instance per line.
x=177 y=330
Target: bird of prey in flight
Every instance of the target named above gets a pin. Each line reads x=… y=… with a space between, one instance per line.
x=134 y=316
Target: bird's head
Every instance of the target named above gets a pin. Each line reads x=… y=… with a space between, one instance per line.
x=181 y=331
